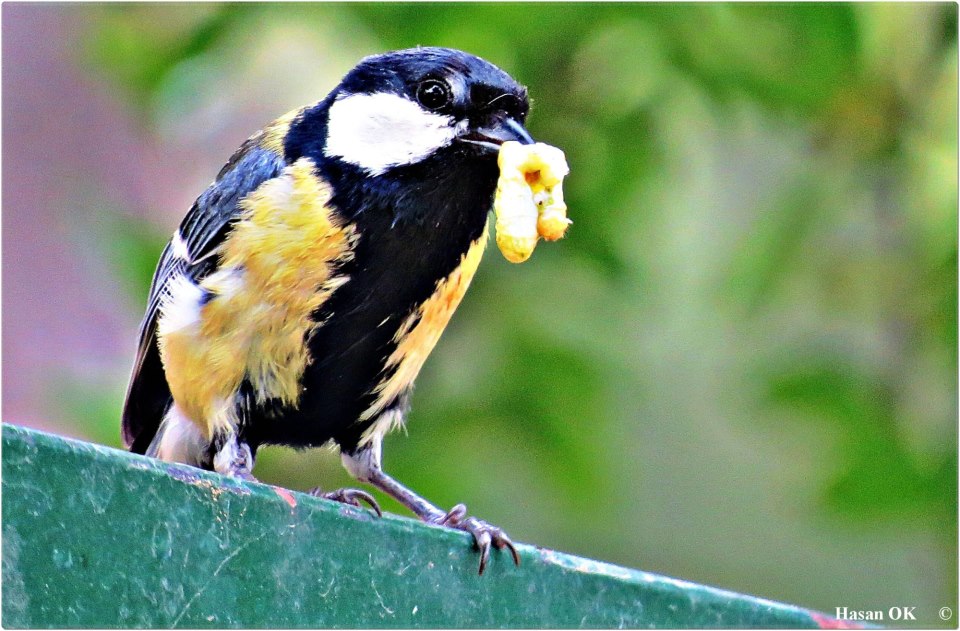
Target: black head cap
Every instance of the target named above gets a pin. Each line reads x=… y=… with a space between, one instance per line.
x=476 y=86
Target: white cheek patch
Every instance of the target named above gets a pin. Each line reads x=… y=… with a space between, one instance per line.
x=378 y=131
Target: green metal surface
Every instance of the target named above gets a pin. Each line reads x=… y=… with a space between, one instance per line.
x=95 y=537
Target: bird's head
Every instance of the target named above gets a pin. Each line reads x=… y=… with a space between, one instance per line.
x=399 y=109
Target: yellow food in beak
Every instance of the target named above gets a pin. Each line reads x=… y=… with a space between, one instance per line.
x=529 y=200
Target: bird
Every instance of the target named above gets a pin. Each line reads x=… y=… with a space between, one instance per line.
x=303 y=290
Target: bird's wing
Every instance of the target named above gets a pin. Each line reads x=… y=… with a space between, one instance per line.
x=193 y=252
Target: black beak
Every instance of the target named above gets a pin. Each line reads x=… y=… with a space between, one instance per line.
x=492 y=136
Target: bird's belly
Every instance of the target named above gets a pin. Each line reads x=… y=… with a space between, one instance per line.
x=364 y=360
x=415 y=338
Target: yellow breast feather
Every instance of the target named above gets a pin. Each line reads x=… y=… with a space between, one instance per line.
x=277 y=267
x=273 y=135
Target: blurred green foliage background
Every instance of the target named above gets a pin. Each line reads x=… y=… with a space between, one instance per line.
x=740 y=368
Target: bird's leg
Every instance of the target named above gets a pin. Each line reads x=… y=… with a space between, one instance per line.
x=364 y=465
x=234 y=457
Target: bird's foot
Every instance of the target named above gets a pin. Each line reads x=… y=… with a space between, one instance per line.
x=364 y=464
x=352 y=497
x=484 y=535
x=234 y=459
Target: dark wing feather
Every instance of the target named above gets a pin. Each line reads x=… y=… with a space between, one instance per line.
x=203 y=230
x=147 y=393
x=213 y=214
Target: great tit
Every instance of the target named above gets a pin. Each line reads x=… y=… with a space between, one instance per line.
x=306 y=286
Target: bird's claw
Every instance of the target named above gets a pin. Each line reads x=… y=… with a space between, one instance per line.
x=485 y=535
x=352 y=497
x=454 y=516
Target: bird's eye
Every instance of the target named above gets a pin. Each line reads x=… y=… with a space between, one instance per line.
x=433 y=94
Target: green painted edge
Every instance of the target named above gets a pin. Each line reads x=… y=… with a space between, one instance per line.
x=81 y=549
